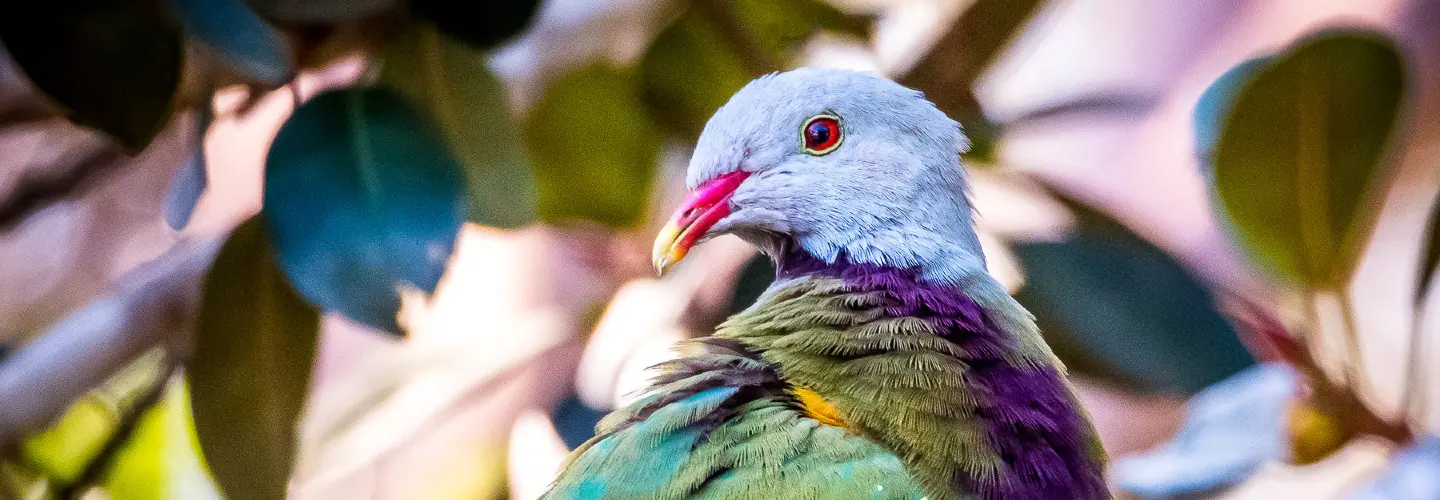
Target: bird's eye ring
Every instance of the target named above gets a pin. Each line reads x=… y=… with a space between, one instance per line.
x=820 y=135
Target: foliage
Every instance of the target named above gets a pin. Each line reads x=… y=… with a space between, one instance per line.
x=1302 y=150
x=252 y=323
x=1114 y=306
x=65 y=47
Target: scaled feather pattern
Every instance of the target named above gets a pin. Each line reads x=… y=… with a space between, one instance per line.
x=884 y=362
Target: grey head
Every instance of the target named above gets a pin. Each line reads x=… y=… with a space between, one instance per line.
x=893 y=192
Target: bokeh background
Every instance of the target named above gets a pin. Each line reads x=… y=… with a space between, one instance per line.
x=140 y=360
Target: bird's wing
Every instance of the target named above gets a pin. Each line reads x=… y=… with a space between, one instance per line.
x=721 y=426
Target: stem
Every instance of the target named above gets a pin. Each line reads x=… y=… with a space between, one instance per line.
x=1354 y=367
x=1413 y=403
x=129 y=422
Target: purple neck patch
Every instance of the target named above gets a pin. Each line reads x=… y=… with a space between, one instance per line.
x=1030 y=417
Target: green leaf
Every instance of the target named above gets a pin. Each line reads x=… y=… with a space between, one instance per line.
x=1115 y=307
x=594 y=148
x=246 y=42
x=692 y=68
x=113 y=64
x=453 y=85
x=780 y=26
x=362 y=197
x=679 y=90
x=1302 y=154
x=1430 y=256
x=254 y=347
x=482 y=24
x=320 y=11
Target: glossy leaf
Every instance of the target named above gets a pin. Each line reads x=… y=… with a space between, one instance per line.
x=254 y=346
x=113 y=64
x=362 y=197
x=594 y=148
x=1116 y=307
x=247 y=43
x=188 y=183
x=1303 y=152
x=1430 y=256
x=1230 y=430
x=452 y=84
x=320 y=11
x=482 y=24
x=1215 y=104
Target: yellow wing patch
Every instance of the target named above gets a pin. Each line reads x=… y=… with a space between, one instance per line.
x=818 y=408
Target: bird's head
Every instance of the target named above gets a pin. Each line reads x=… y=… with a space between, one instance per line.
x=839 y=163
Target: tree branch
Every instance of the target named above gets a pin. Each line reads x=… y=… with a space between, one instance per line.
x=153 y=304
x=31 y=194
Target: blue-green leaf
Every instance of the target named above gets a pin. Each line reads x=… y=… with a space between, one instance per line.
x=1303 y=151
x=362 y=197
x=1115 y=307
x=453 y=85
x=1214 y=105
x=244 y=40
x=254 y=348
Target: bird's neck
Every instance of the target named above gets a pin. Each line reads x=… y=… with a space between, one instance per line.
x=963 y=391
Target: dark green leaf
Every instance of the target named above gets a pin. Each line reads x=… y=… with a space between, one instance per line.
x=682 y=91
x=1303 y=152
x=453 y=85
x=320 y=11
x=244 y=40
x=754 y=278
x=361 y=197
x=114 y=64
x=1430 y=256
x=254 y=347
x=594 y=148
x=482 y=24
x=1115 y=307
x=1214 y=105
x=693 y=68
x=780 y=26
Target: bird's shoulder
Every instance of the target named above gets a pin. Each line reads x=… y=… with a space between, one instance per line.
x=723 y=424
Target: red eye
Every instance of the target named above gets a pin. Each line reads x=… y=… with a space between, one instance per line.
x=821 y=134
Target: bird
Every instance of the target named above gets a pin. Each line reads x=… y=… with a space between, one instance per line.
x=883 y=362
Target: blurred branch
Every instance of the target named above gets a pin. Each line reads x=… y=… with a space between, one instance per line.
x=756 y=60
x=1119 y=103
x=128 y=423
x=948 y=72
x=32 y=194
x=25 y=112
x=152 y=305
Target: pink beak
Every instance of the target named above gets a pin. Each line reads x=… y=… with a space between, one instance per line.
x=705 y=206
